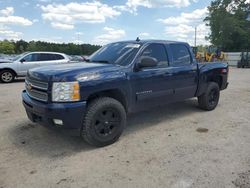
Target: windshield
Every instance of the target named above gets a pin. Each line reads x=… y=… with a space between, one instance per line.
x=120 y=53
x=19 y=56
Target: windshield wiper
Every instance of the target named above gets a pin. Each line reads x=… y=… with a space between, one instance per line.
x=99 y=61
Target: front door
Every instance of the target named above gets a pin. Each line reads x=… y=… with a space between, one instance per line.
x=28 y=62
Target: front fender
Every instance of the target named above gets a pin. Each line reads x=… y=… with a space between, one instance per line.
x=110 y=81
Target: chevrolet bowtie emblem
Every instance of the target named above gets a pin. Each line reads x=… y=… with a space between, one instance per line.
x=29 y=86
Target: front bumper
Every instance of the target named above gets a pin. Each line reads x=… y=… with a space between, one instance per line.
x=71 y=114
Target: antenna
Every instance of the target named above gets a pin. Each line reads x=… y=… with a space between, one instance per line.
x=195 y=36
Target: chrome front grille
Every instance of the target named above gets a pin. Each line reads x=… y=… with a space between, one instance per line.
x=37 y=89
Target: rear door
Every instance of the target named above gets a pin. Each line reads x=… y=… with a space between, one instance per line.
x=184 y=70
x=152 y=86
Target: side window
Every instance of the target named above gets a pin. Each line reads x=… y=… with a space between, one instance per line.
x=158 y=52
x=181 y=55
x=31 y=57
x=38 y=57
x=27 y=58
x=46 y=57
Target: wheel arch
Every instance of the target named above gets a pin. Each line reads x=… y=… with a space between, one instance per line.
x=10 y=69
x=217 y=79
x=205 y=79
x=112 y=93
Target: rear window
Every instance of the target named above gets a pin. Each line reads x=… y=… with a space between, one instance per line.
x=58 y=56
x=181 y=55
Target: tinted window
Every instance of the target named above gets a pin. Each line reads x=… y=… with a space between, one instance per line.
x=181 y=54
x=31 y=57
x=158 y=52
x=42 y=57
x=58 y=57
x=46 y=57
x=50 y=57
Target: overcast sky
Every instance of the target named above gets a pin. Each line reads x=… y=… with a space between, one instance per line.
x=103 y=21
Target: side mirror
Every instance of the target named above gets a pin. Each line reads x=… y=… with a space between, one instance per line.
x=147 y=62
x=22 y=60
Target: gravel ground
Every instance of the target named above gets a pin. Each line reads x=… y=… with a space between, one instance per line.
x=176 y=146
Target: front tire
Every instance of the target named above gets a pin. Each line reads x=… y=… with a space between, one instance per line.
x=104 y=122
x=7 y=76
x=209 y=100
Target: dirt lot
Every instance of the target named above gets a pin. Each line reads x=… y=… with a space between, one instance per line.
x=164 y=147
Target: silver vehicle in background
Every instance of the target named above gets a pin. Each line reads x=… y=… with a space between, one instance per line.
x=18 y=66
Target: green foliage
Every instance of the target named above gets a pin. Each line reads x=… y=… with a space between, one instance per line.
x=10 y=47
x=230 y=29
x=7 y=47
x=20 y=46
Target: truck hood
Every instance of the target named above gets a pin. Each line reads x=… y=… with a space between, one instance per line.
x=71 y=72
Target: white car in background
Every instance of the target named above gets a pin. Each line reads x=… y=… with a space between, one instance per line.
x=18 y=67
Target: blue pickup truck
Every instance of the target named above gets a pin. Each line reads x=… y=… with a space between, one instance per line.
x=93 y=98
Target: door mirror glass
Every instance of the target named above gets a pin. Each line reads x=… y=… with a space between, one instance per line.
x=147 y=62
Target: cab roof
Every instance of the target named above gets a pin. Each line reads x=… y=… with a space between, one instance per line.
x=153 y=41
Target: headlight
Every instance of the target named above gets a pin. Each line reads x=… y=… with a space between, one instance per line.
x=65 y=91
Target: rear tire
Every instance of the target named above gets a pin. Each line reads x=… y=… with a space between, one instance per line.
x=104 y=122
x=209 y=100
x=7 y=76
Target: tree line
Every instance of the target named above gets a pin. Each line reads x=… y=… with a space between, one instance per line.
x=230 y=24
x=18 y=47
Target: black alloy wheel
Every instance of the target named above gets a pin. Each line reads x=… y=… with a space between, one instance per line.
x=104 y=121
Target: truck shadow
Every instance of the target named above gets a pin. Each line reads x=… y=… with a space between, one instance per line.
x=161 y=114
x=40 y=141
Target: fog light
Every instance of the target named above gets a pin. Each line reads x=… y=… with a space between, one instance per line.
x=58 y=121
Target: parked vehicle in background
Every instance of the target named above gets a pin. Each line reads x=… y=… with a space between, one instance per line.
x=18 y=66
x=94 y=98
x=77 y=58
x=245 y=60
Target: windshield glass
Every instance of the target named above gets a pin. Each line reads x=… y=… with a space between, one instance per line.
x=19 y=56
x=120 y=53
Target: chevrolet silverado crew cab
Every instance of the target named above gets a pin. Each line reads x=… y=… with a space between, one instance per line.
x=18 y=67
x=93 y=98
